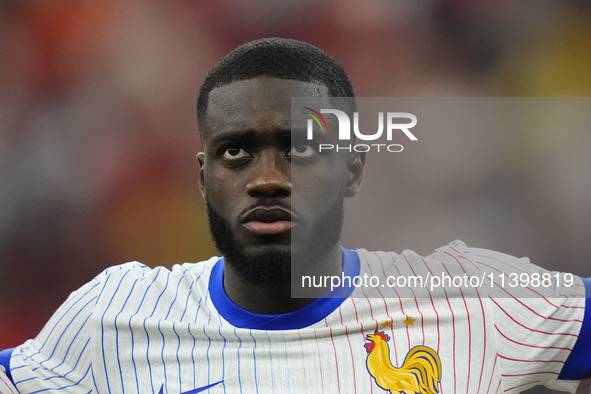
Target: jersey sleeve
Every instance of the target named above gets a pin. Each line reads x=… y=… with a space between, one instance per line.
x=541 y=323
x=59 y=358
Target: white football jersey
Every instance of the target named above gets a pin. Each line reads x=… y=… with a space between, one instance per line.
x=134 y=329
x=6 y=385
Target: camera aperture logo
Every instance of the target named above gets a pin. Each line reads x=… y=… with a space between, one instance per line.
x=392 y=124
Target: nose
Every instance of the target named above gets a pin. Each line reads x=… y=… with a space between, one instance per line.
x=271 y=176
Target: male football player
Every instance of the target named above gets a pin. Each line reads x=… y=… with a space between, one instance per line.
x=230 y=325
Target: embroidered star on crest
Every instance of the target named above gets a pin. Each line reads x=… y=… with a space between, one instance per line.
x=409 y=321
x=387 y=324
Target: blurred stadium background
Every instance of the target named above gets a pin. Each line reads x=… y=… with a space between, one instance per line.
x=98 y=132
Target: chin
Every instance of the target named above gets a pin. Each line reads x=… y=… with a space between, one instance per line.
x=266 y=260
x=264 y=266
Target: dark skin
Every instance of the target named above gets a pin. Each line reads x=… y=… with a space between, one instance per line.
x=248 y=156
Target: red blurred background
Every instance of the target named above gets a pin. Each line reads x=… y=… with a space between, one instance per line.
x=98 y=129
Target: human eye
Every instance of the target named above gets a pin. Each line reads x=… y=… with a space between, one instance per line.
x=234 y=153
x=302 y=149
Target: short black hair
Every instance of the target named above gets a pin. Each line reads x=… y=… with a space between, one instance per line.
x=277 y=58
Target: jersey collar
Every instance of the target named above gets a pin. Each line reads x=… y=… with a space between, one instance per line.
x=303 y=317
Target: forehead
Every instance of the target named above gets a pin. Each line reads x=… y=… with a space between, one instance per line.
x=260 y=103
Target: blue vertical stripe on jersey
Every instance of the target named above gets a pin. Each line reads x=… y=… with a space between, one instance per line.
x=303 y=317
x=189 y=294
x=137 y=380
x=194 y=341
x=223 y=359
x=165 y=318
x=53 y=377
x=60 y=319
x=72 y=342
x=162 y=351
x=178 y=347
x=238 y=354
x=99 y=296
x=207 y=354
x=79 y=357
x=60 y=337
x=63 y=387
x=254 y=359
x=578 y=363
x=270 y=359
x=287 y=363
x=176 y=294
x=148 y=335
x=116 y=333
x=184 y=275
x=193 y=354
x=64 y=331
x=92 y=374
x=187 y=302
x=208 y=345
x=200 y=299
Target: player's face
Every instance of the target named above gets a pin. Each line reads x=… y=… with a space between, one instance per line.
x=246 y=172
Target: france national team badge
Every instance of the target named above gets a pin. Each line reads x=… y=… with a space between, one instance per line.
x=420 y=372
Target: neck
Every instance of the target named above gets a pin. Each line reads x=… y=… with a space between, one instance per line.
x=278 y=299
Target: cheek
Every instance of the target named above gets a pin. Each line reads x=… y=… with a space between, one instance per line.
x=321 y=185
x=221 y=189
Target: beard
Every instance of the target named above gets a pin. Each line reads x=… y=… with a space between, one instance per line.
x=270 y=266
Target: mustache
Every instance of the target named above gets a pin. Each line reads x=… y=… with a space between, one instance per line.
x=270 y=202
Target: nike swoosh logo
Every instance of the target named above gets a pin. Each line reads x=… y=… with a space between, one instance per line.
x=194 y=391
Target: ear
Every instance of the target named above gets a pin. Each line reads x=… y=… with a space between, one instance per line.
x=201 y=159
x=355 y=172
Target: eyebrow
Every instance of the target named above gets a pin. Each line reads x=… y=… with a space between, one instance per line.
x=242 y=136
x=234 y=136
x=297 y=133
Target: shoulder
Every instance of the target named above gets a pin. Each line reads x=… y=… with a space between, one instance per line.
x=135 y=270
x=118 y=283
x=475 y=270
x=454 y=252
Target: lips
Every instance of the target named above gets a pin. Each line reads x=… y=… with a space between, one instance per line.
x=268 y=221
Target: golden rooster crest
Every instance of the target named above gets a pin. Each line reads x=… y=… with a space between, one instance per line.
x=420 y=372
